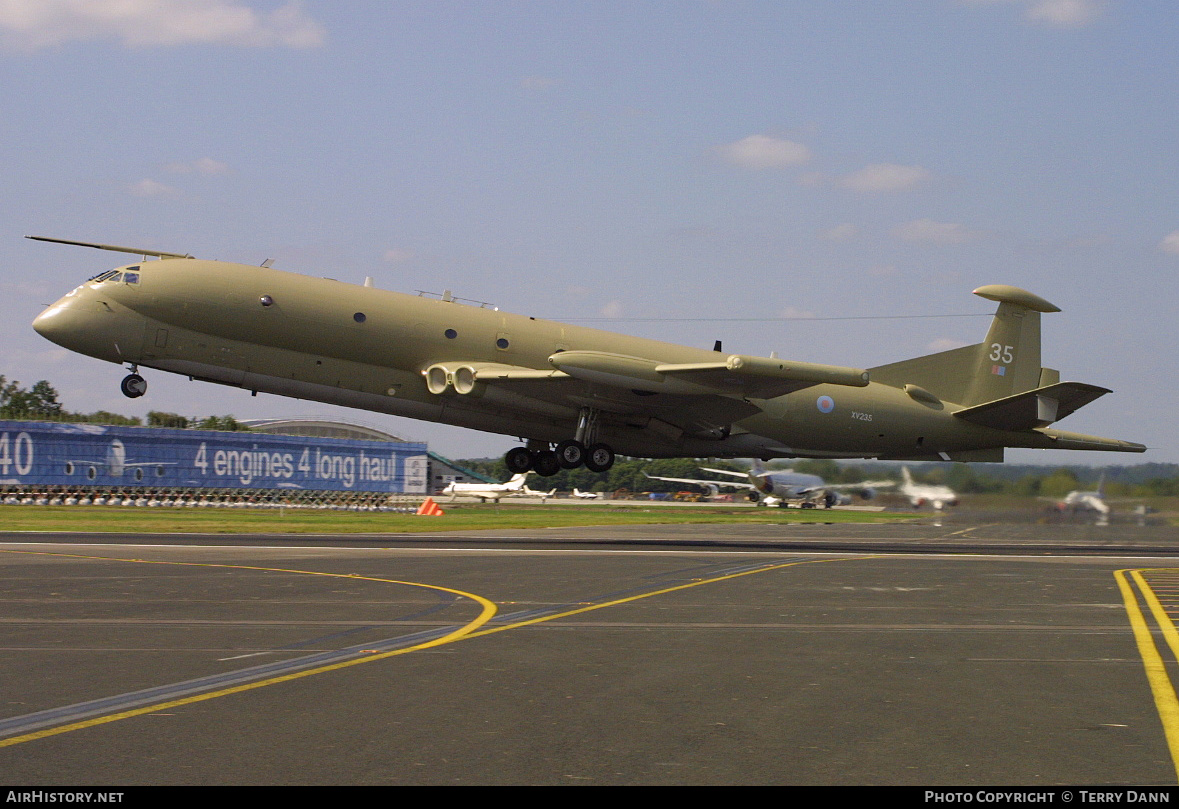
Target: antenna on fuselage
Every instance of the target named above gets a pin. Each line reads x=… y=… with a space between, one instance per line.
x=112 y=247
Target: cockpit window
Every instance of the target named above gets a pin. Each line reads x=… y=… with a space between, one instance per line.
x=98 y=279
x=131 y=278
x=116 y=277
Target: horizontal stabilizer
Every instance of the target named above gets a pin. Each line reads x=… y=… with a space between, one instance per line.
x=1033 y=408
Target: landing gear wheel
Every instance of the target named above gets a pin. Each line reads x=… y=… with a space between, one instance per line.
x=599 y=458
x=518 y=460
x=546 y=463
x=133 y=386
x=571 y=453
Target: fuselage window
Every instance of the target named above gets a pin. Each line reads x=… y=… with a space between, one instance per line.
x=450 y=334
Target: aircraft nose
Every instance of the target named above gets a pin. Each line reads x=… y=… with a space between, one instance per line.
x=92 y=327
x=55 y=323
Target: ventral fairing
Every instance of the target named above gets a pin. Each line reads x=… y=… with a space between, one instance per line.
x=576 y=396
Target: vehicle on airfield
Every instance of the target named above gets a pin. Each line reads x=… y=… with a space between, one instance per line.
x=786 y=487
x=576 y=395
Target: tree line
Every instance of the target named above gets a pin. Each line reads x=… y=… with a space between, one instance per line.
x=40 y=403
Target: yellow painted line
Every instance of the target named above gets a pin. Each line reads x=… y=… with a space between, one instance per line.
x=485 y=615
x=1156 y=671
x=694 y=583
x=463 y=633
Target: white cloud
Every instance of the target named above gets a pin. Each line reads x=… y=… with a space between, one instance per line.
x=32 y=24
x=794 y=313
x=612 y=309
x=151 y=188
x=397 y=255
x=840 y=233
x=944 y=344
x=1063 y=13
x=764 y=152
x=205 y=165
x=885 y=177
x=1170 y=244
x=538 y=82
x=1053 y=13
x=930 y=232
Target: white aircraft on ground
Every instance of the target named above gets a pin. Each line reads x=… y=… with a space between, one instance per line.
x=586 y=495
x=490 y=491
x=921 y=493
x=542 y=495
x=1086 y=501
x=786 y=487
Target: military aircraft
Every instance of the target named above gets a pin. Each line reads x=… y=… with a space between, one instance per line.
x=576 y=395
x=786 y=487
x=921 y=493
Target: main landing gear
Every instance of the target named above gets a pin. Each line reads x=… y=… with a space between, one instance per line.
x=133 y=385
x=568 y=454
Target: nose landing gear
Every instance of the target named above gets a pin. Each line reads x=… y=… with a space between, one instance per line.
x=133 y=385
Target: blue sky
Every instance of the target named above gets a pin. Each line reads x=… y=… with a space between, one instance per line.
x=800 y=177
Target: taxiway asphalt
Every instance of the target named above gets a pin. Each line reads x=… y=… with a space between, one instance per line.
x=977 y=652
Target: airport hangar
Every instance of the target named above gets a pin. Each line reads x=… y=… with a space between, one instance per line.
x=294 y=462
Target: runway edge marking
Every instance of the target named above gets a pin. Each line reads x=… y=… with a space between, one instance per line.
x=1161 y=686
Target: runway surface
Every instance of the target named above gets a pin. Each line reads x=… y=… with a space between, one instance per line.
x=977 y=652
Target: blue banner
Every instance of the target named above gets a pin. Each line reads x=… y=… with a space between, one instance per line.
x=50 y=454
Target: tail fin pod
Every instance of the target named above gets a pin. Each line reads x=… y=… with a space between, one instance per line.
x=1006 y=363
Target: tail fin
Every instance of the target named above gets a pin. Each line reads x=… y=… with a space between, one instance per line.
x=1005 y=364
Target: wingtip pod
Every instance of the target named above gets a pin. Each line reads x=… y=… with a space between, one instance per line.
x=1059 y=439
x=1020 y=297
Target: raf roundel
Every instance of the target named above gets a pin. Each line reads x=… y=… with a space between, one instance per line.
x=825 y=404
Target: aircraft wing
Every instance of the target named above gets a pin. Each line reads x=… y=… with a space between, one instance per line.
x=558 y=394
x=698 y=399
x=737 y=374
x=714 y=483
x=744 y=475
x=867 y=484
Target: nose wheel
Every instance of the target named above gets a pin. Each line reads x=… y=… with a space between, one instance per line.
x=133 y=386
